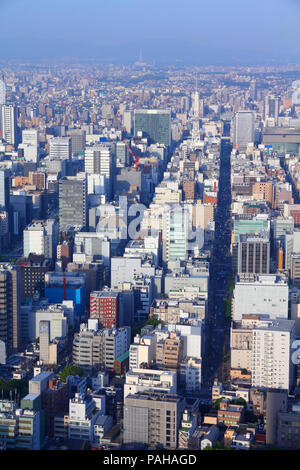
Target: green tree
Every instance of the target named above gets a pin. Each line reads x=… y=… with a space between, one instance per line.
x=70 y=370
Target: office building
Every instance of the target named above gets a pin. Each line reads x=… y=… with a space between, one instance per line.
x=10 y=307
x=9 y=125
x=254 y=254
x=243 y=129
x=60 y=148
x=100 y=160
x=41 y=238
x=155 y=124
x=152 y=419
x=272 y=366
x=104 y=306
x=44 y=336
x=73 y=210
x=140 y=380
x=21 y=428
x=266 y=294
x=96 y=348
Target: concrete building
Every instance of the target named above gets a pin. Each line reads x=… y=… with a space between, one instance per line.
x=93 y=349
x=152 y=419
x=60 y=148
x=41 y=238
x=140 y=380
x=73 y=209
x=272 y=366
x=10 y=307
x=260 y=294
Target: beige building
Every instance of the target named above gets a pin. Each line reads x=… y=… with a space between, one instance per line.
x=152 y=419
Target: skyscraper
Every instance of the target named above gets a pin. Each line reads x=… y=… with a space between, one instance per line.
x=155 y=124
x=10 y=307
x=60 y=147
x=243 y=129
x=4 y=189
x=73 y=202
x=272 y=108
x=2 y=92
x=9 y=124
x=99 y=160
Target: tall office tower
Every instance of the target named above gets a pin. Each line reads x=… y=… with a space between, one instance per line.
x=44 y=335
x=99 y=160
x=10 y=307
x=60 y=147
x=127 y=121
x=30 y=144
x=175 y=234
x=4 y=189
x=155 y=124
x=253 y=90
x=2 y=98
x=185 y=104
x=152 y=419
x=254 y=254
x=73 y=208
x=41 y=238
x=272 y=366
x=272 y=104
x=243 y=129
x=104 y=306
x=122 y=153
x=9 y=124
x=2 y=92
x=77 y=139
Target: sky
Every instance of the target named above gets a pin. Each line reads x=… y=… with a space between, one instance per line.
x=200 y=32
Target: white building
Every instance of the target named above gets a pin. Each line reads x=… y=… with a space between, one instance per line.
x=60 y=148
x=99 y=160
x=41 y=238
x=9 y=124
x=243 y=129
x=142 y=351
x=82 y=417
x=272 y=366
x=260 y=294
x=30 y=144
x=139 y=380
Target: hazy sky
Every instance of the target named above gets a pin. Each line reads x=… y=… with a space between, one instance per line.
x=191 y=31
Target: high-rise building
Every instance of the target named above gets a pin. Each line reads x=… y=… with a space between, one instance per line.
x=77 y=139
x=272 y=366
x=152 y=419
x=253 y=90
x=2 y=93
x=104 y=306
x=44 y=336
x=60 y=147
x=41 y=238
x=175 y=234
x=30 y=144
x=73 y=202
x=9 y=124
x=4 y=189
x=254 y=254
x=243 y=129
x=154 y=124
x=272 y=104
x=96 y=348
x=99 y=160
x=10 y=307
